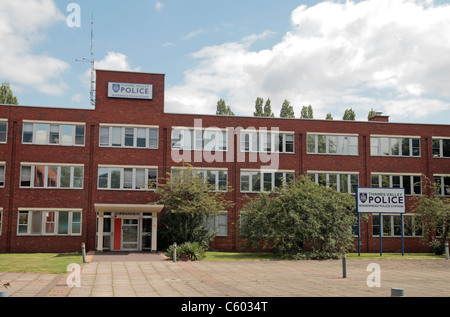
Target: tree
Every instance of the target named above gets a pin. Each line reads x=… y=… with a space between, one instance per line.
x=258 y=107
x=223 y=109
x=300 y=216
x=268 y=109
x=6 y=95
x=434 y=213
x=329 y=117
x=349 y=114
x=189 y=201
x=287 y=111
x=372 y=113
x=307 y=112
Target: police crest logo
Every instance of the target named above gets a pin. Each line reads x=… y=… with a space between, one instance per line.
x=363 y=197
x=116 y=87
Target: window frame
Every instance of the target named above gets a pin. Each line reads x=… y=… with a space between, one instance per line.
x=45 y=176
x=187 y=139
x=48 y=132
x=377 y=142
x=259 y=175
x=383 y=177
x=122 y=129
x=2 y=174
x=30 y=212
x=440 y=147
x=4 y=122
x=148 y=171
x=442 y=190
x=351 y=186
x=391 y=220
x=218 y=223
x=312 y=141
x=251 y=138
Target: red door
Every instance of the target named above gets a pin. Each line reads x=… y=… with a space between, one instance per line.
x=117 y=233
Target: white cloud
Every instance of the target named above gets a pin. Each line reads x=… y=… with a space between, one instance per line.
x=22 y=24
x=159 y=6
x=388 y=55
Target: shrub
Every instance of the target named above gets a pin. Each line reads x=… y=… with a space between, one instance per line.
x=188 y=251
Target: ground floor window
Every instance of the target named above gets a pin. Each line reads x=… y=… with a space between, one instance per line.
x=50 y=222
x=219 y=224
x=391 y=226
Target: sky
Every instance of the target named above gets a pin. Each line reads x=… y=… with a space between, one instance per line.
x=389 y=56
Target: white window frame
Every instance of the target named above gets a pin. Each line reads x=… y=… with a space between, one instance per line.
x=188 y=139
x=338 y=175
x=328 y=137
x=122 y=168
x=203 y=173
x=392 y=226
x=60 y=125
x=400 y=185
x=3 y=174
x=215 y=222
x=5 y=122
x=123 y=128
x=257 y=141
x=250 y=173
x=444 y=192
x=58 y=169
x=376 y=150
x=30 y=211
x=441 y=146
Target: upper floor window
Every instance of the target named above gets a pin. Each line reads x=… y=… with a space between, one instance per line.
x=332 y=144
x=442 y=185
x=2 y=174
x=129 y=136
x=267 y=141
x=36 y=175
x=53 y=133
x=394 y=146
x=208 y=139
x=441 y=147
x=127 y=177
x=216 y=179
x=261 y=181
x=3 y=131
x=411 y=183
x=342 y=182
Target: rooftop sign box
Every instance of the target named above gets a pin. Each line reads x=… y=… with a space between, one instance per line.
x=130 y=91
x=380 y=200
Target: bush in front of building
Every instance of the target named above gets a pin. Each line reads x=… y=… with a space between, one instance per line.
x=301 y=220
x=188 y=251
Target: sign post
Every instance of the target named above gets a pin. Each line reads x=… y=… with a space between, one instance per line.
x=381 y=201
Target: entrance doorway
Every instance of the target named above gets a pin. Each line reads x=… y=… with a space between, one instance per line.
x=130 y=234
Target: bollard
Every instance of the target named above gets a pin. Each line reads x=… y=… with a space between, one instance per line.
x=397 y=292
x=344 y=265
x=174 y=256
x=446 y=250
x=83 y=252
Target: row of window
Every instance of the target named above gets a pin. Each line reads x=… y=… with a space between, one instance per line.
x=38 y=222
x=143 y=178
x=73 y=134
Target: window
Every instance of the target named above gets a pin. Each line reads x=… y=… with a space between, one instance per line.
x=1 y=215
x=53 y=134
x=217 y=180
x=332 y=144
x=391 y=226
x=411 y=183
x=395 y=146
x=42 y=222
x=199 y=140
x=266 y=141
x=2 y=175
x=441 y=147
x=129 y=136
x=127 y=178
x=218 y=223
x=51 y=176
x=342 y=182
x=257 y=181
x=441 y=185
x=3 y=131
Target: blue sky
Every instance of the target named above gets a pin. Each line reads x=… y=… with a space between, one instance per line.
x=392 y=56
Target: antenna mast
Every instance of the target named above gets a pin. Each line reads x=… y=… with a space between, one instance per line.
x=92 y=61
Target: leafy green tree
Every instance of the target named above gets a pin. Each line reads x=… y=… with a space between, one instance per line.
x=433 y=212
x=349 y=114
x=300 y=216
x=307 y=112
x=258 y=107
x=268 y=109
x=287 y=111
x=372 y=113
x=223 y=109
x=329 y=117
x=188 y=202
x=6 y=95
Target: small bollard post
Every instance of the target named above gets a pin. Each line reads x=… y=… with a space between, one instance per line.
x=83 y=251
x=397 y=292
x=446 y=250
x=344 y=265
x=174 y=256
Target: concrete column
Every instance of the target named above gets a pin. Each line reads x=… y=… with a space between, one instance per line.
x=154 y=230
x=100 y=232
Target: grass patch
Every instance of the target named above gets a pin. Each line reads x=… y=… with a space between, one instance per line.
x=238 y=256
x=54 y=263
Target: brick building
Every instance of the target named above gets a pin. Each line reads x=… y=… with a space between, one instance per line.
x=69 y=176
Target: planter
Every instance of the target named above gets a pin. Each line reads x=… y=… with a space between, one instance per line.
x=3 y=293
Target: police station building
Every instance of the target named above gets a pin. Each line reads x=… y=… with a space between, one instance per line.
x=72 y=176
